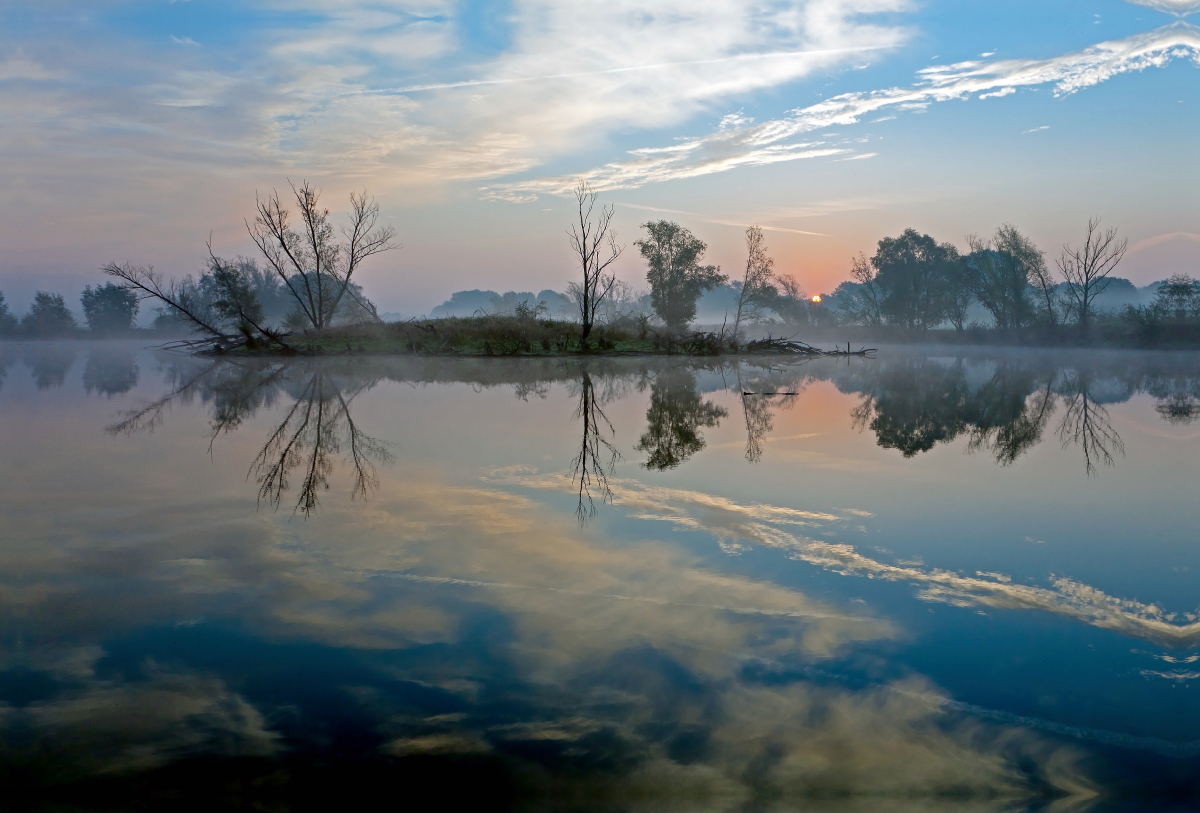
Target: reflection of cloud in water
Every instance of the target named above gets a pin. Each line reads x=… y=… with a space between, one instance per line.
x=736 y=525
x=631 y=668
x=109 y=725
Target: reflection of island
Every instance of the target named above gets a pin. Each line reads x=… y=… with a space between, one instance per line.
x=676 y=415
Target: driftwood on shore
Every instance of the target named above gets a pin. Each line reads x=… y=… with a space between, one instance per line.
x=791 y=347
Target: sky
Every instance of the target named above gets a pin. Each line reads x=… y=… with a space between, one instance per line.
x=133 y=130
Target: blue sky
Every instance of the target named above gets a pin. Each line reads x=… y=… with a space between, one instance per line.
x=133 y=130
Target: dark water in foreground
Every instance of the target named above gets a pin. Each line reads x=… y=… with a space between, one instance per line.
x=920 y=582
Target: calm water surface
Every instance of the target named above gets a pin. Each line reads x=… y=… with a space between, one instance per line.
x=933 y=580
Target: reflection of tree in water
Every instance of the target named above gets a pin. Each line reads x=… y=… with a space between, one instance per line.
x=761 y=389
x=676 y=415
x=756 y=408
x=1179 y=408
x=1087 y=424
x=589 y=469
x=1178 y=397
x=49 y=363
x=315 y=429
x=915 y=405
x=8 y=357
x=1007 y=419
x=109 y=371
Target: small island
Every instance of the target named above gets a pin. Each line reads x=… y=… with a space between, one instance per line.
x=300 y=296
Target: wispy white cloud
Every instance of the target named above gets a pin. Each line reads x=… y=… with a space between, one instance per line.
x=745 y=143
x=1180 y=8
x=399 y=92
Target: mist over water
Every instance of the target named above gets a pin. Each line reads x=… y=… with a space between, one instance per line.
x=935 y=579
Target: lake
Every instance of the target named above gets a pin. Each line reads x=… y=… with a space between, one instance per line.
x=936 y=579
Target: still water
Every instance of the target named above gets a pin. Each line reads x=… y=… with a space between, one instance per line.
x=934 y=579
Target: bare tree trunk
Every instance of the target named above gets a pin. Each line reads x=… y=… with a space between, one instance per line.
x=592 y=237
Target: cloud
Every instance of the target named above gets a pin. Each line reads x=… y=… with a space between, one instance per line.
x=1182 y=236
x=326 y=97
x=1180 y=8
x=20 y=66
x=750 y=143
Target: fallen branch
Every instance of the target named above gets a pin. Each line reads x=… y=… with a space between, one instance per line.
x=791 y=347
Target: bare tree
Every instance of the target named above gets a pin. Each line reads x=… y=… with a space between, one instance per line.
x=756 y=285
x=316 y=268
x=1086 y=269
x=147 y=283
x=595 y=242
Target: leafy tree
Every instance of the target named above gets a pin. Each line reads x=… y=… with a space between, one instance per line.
x=859 y=300
x=912 y=278
x=8 y=322
x=960 y=293
x=1178 y=296
x=232 y=294
x=1003 y=267
x=48 y=316
x=109 y=307
x=677 y=280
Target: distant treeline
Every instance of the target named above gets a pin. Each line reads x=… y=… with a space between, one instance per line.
x=111 y=310
x=1001 y=289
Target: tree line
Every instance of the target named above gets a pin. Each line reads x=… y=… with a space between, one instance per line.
x=108 y=309
x=912 y=283
x=303 y=280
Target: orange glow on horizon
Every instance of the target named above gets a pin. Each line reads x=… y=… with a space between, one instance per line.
x=816 y=298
